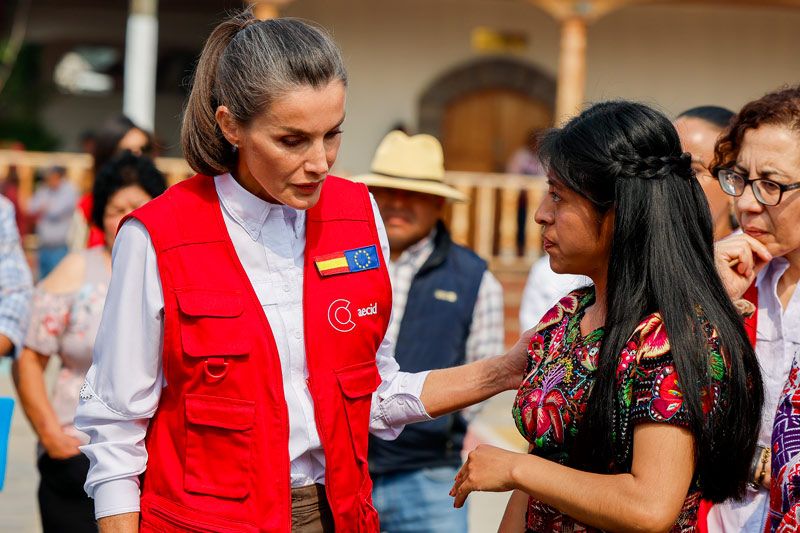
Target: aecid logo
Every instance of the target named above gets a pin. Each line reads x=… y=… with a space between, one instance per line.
x=341 y=318
x=369 y=310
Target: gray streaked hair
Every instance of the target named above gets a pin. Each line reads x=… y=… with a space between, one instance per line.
x=246 y=64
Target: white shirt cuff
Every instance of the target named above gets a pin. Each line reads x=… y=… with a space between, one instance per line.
x=400 y=404
x=117 y=496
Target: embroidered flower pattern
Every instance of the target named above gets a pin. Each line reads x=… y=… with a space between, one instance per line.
x=554 y=395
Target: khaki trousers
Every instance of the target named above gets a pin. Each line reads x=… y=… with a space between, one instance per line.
x=310 y=510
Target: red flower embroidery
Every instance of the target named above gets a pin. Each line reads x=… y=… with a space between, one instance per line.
x=545 y=404
x=667 y=396
x=653 y=335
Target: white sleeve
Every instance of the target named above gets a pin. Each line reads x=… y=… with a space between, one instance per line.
x=396 y=402
x=124 y=383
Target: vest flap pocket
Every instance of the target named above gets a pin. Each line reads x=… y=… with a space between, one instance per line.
x=223 y=338
x=359 y=380
x=219 y=446
x=204 y=302
x=216 y=411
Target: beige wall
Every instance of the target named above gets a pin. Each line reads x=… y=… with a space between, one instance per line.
x=682 y=56
x=395 y=49
x=671 y=56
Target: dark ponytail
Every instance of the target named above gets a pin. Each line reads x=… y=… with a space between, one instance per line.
x=245 y=65
x=627 y=158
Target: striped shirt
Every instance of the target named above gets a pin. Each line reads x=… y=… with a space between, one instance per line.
x=486 y=336
x=15 y=280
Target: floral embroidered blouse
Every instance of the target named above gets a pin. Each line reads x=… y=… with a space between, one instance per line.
x=560 y=375
x=66 y=325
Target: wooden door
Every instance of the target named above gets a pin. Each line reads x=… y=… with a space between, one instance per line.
x=483 y=129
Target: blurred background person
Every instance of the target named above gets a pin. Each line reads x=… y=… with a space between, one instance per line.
x=10 y=189
x=118 y=133
x=699 y=128
x=66 y=311
x=447 y=310
x=15 y=293
x=15 y=284
x=52 y=206
x=758 y=163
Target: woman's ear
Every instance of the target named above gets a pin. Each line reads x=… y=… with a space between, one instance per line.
x=228 y=124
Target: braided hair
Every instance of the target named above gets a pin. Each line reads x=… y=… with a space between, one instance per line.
x=627 y=157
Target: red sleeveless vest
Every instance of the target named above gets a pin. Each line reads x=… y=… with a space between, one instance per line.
x=218 y=444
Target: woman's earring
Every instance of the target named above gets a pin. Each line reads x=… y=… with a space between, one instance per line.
x=235 y=148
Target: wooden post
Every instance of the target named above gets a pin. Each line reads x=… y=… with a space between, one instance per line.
x=267 y=9
x=574 y=17
x=509 y=202
x=141 y=54
x=571 y=68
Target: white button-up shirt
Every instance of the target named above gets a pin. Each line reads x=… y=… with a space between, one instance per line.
x=124 y=384
x=777 y=343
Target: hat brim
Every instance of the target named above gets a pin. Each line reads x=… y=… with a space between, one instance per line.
x=410 y=184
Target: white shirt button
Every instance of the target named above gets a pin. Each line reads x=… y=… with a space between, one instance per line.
x=286 y=287
x=298 y=334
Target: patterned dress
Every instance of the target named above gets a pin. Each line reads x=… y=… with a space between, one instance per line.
x=784 y=498
x=560 y=376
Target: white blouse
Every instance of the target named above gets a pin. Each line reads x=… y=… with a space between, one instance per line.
x=777 y=344
x=124 y=384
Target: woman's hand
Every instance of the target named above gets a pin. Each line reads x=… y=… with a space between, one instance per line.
x=739 y=258
x=516 y=360
x=487 y=469
x=59 y=445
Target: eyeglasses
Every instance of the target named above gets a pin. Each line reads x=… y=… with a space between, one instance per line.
x=767 y=192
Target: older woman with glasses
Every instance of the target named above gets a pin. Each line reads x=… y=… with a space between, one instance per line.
x=758 y=162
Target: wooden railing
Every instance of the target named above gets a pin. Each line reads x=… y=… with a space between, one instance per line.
x=488 y=223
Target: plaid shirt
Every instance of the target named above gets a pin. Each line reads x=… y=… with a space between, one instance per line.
x=15 y=279
x=486 y=334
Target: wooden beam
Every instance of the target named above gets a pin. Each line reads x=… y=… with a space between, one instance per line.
x=267 y=9
x=571 y=84
x=588 y=10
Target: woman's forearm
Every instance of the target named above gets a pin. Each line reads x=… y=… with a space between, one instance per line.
x=119 y=523
x=618 y=502
x=450 y=389
x=28 y=373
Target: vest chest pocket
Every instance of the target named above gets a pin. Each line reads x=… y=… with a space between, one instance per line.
x=219 y=440
x=212 y=328
x=357 y=383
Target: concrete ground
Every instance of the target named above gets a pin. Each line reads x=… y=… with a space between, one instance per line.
x=18 y=507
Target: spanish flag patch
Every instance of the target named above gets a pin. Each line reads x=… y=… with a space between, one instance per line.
x=356 y=260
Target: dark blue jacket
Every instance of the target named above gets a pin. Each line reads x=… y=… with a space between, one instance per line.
x=433 y=334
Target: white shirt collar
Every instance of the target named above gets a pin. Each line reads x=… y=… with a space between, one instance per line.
x=250 y=211
x=769 y=276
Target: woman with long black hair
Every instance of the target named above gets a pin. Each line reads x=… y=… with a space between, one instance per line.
x=642 y=393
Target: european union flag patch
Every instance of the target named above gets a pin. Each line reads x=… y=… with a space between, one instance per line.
x=356 y=260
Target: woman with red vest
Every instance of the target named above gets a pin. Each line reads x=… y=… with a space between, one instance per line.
x=241 y=361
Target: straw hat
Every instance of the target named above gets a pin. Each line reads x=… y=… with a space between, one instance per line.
x=413 y=163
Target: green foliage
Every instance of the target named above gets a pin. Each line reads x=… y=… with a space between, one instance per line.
x=21 y=100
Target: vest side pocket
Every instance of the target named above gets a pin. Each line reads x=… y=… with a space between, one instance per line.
x=219 y=441
x=358 y=382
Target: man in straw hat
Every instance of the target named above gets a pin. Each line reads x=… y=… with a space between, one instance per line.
x=447 y=310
